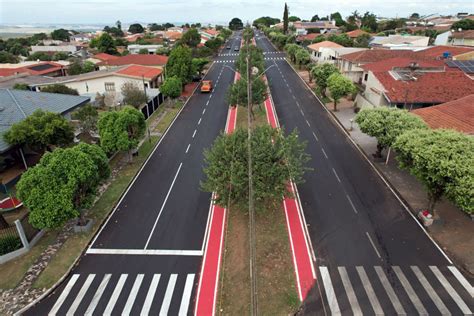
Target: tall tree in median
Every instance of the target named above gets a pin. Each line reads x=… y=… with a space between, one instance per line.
x=41 y=130
x=121 y=130
x=171 y=88
x=285 y=19
x=236 y=24
x=339 y=86
x=180 y=64
x=321 y=74
x=386 y=124
x=63 y=184
x=442 y=160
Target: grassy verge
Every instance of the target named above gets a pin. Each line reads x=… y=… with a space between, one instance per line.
x=275 y=272
x=74 y=246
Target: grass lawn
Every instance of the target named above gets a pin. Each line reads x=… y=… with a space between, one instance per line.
x=12 y=272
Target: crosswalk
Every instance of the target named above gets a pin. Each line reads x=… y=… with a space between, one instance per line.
x=225 y=61
x=274 y=58
x=267 y=53
x=143 y=294
x=229 y=54
x=396 y=290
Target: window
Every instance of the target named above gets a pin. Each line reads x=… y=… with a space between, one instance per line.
x=109 y=86
x=366 y=76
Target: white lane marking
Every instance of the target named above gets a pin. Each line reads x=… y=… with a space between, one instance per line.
x=330 y=295
x=199 y=122
x=133 y=295
x=335 y=173
x=194 y=134
x=451 y=291
x=352 y=204
x=431 y=292
x=302 y=113
x=297 y=103
x=370 y=291
x=324 y=153
x=308 y=123
x=294 y=98
x=163 y=206
x=150 y=295
x=188 y=288
x=64 y=294
x=316 y=137
x=373 y=245
x=165 y=306
x=350 y=291
x=390 y=292
x=98 y=295
x=207 y=103
x=465 y=283
x=144 y=252
x=115 y=295
x=80 y=295
x=210 y=96
x=409 y=289
x=187 y=149
x=203 y=111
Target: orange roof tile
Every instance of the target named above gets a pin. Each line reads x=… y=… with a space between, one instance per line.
x=139 y=71
x=356 y=33
x=104 y=56
x=457 y=114
x=137 y=59
x=316 y=46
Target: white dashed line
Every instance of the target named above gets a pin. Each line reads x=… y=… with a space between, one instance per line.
x=187 y=149
x=317 y=139
x=294 y=98
x=335 y=173
x=352 y=204
x=203 y=111
x=199 y=122
x=194 y=134
x=373 y=245
x=207 y=103
x=324 y=152
x=302 y=113
x=308 y=123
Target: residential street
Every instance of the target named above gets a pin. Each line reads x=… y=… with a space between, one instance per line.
x=371 y=255
x=147 y=257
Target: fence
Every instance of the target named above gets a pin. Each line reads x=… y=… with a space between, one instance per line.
x=18 y=239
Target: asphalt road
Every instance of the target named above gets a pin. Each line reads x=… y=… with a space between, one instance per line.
x=146 y=259
x=370 y=253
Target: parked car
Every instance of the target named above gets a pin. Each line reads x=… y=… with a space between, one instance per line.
x=236 y=48
x=228 y=46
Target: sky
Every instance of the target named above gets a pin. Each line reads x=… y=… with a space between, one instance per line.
x=207 y=11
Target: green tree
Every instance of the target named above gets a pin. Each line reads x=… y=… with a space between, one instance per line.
x=336 y=16
x=87 y=116
x=386 y=124
x=339 y=86
x=291 y=50
x=180 y=64
x=214 y=43
x=414 y=16
x=62 y=185
x=321 y=74
x=135 y=28
x=106 y=44
x=59 y=88
x=369 y=20
x=465 y=24
x=172 y=87
x=60 y=56
x=21 y=86
x=362 y=40
x=41 y=130
x=121 y=130
x=39 y=56
x=265 y=20
x=115 y=31
x=133 y=95
x=442 y=160
x=225 y=33
x=293 y=18
x=238 y=93
x=302 y=57
x=236 y=24
x=7 y=58
x=315 y=18
x=191 y=38
x=60 y=35
x=143 y=51
x=285 y=19
x=341 y=39
x=198 y=64
x=275 y=160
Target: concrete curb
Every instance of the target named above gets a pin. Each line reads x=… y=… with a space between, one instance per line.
x=392 y=188
x=106 y=219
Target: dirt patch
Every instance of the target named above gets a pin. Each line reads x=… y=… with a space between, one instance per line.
x=234 y=298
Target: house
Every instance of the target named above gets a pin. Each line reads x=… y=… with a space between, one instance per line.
x=318 y=52
x=137 y=59
x=457 y=114
x=356 y=33
x=399 y=41
x=456 y=38
x=172 y=36
x=408 y=83
x=308 y=37
x=46 y=68
x=101 y=57
x=55 y=48
x=323 y=26
x=136 y=48
x=81 y=37
x=132 y=38
x=443 y=52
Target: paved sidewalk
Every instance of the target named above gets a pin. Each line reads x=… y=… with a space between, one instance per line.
x=453 y=230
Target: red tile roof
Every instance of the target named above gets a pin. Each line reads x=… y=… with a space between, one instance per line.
x=430 y=87
x=104 y=56
x=137 y=59
x=30 y=69
x=139 y=71
x=389 y=64
x=457 y=114
x=309 y=37
x=467 y=34
x=434 y=52
x=374 y=55
x=316 y=46
x=356 y=33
